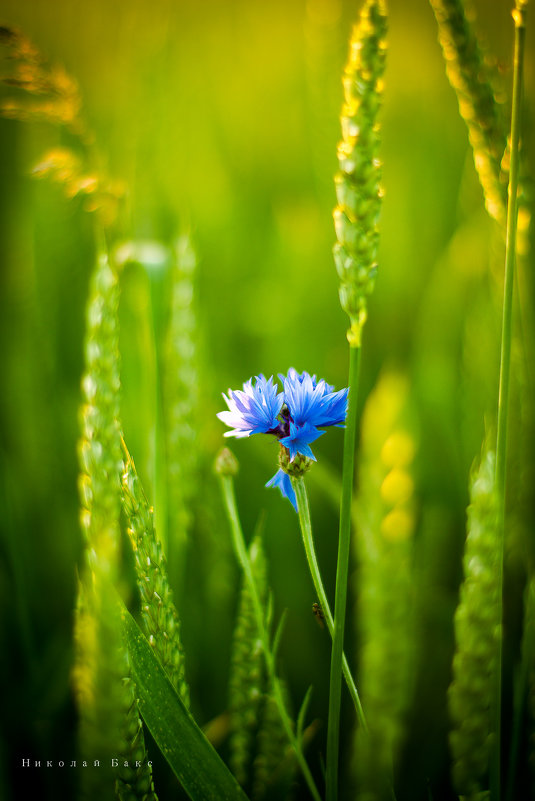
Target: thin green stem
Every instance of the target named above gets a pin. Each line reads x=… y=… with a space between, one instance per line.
x=159 y=466
x=342 y=571
x=505 y=360
x=510 y=250
x=519 y=700
x=308 y=541
x=227 y=486
x=521 y=688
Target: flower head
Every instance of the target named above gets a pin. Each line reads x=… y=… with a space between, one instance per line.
x=293 y=416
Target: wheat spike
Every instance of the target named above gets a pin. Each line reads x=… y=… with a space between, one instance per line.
x=358 y=188
x=384 y=551
x=181 y=381
x=274 y=765
x=247 y=682
x=158 y=610
x=473 y=77
x=108 y=713
x=477 y=634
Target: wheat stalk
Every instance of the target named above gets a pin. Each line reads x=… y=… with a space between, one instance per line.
x=158 y=611
x=247 y=682
x=384 y=551
x=477 y=635
x=109 y=721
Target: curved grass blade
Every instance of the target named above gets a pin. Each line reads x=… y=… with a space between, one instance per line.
x=302 y=714
x=198 y=767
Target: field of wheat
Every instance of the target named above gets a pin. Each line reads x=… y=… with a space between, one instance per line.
x=267 y=419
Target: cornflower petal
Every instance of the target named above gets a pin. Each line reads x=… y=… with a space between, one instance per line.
x=314 y=402
x=293 y=375
x=253 y=410
x=333 y=409
x=283 y=481
x=299 y=439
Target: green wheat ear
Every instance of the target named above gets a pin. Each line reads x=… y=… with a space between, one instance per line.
x=158 y=611
x=477 y=637
x=100 y=445
x=109 y=722
x=134 y=783
x=274 y=767
x=473 y=77
x=97 y=686
x=247 y=682
x=104 y=695
x=384 y=552
x=358 y=188
x=180 y=395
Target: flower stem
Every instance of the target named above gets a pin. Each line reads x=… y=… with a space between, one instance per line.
x=342 y=570
x=308 y=541
x=505 y=360
x=229 y=498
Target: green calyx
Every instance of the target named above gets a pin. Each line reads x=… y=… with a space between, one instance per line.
x=300 y=465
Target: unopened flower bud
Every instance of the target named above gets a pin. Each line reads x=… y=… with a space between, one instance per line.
x=226 y=463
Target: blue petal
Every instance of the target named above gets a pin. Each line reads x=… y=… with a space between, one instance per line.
x=299 y=439
x=283 y=481
x=293 y=375
x=333 y=409
x=253 y=410
x=313 y=402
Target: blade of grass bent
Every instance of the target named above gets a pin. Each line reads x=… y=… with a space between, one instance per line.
x=505 y=360
x=200 y=770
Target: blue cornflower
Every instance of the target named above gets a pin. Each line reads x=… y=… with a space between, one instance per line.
x=293 y=416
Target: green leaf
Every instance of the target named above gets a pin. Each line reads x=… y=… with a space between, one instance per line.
x=302 y=714
x=198 y=767
x=278 y=633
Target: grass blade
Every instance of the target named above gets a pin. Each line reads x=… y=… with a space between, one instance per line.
x=302 y=714
x=198 y=767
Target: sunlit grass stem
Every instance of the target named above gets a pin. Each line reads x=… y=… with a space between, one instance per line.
x=229 y=498
x=356 y=217
x=342 y=573
x=308 y=541
x=510 y=247
x=505 y=360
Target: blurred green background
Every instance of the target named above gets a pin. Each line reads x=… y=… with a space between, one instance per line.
x=222 y=120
